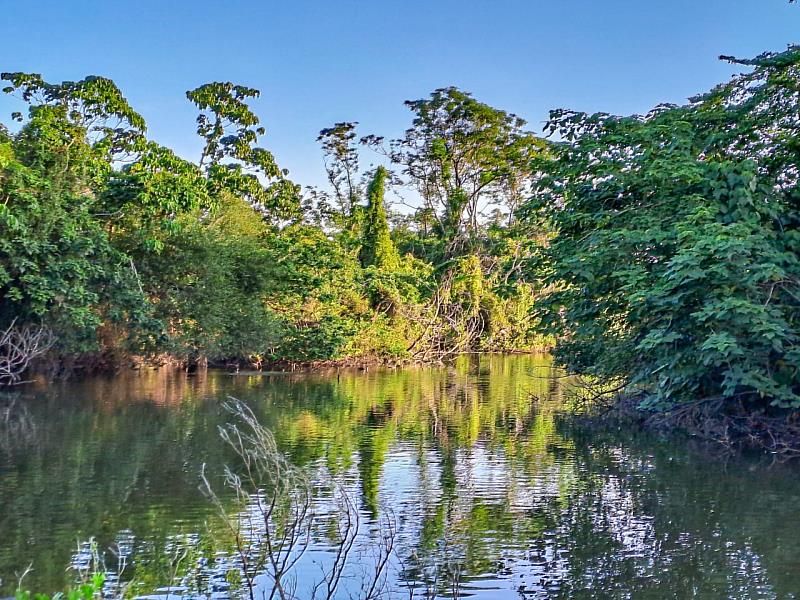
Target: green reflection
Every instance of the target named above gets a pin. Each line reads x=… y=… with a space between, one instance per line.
x=475 y=460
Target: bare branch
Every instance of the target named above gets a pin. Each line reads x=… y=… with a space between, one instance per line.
x=18 y=347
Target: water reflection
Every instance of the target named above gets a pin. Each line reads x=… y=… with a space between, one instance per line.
x=487 y=487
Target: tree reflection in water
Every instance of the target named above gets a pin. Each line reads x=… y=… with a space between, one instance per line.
x=486 y=487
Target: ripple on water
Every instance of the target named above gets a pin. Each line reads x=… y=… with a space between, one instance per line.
x=483 y=485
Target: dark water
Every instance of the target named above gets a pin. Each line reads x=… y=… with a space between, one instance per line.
x=486 y=483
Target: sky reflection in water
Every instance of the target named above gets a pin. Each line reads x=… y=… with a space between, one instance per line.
x=482 y=482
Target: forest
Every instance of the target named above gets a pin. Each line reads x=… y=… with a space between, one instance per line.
x=657 y=253
x=115 y=249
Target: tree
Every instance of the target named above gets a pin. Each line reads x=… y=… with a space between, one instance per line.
x=463 y=157
x=674 y=265
x=103 y=227
x=231 y=160
x=208 y=285
x=57 y=265
x=116 y=244
x=341 y=164
x=378 y=249
x=206 y=276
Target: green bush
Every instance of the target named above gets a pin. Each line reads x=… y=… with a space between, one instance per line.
x=675 y=261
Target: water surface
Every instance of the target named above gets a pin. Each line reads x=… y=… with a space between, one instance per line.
x=486 y=482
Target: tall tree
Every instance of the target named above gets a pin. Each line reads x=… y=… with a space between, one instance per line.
x=232 y=159
x=377 y=247
x=463 y=157
x=341 y=164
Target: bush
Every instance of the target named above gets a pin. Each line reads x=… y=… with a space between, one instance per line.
x=675 y=262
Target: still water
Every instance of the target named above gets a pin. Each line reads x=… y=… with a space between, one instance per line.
x=491 y=492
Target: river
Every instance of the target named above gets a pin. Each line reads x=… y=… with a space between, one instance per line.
x=489 y=491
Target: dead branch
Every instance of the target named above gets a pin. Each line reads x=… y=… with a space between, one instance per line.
x=18 y=347
x=272 y=530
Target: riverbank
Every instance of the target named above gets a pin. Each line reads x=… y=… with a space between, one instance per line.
x=109 y=364
x=737 y=423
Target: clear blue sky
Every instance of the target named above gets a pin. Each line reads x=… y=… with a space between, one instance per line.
x=318 y=62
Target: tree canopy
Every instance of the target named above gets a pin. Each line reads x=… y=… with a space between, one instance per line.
x=674 y=263
x=659 y=251
x=124 y=250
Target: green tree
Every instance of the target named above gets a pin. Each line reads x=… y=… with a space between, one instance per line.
x=674 y=266
x=341 y=164
x=377 y=247
x=231 y=159
x=208 y=285
x=57 y=265
x=463 y=157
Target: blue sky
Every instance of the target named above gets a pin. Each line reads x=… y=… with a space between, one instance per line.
x=320 y=62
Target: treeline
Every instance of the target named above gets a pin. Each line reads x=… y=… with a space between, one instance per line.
x=114 y=249
x=661 y=251
x=675 y=261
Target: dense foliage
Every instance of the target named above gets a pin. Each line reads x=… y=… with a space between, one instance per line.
x=126 y=251
x=660 y=250
x=674 y=266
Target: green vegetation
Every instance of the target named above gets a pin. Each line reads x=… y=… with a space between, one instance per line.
x=661 y=251
x=125 y=251
x=674 y=263
x=377 y=248
x=89 y=590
